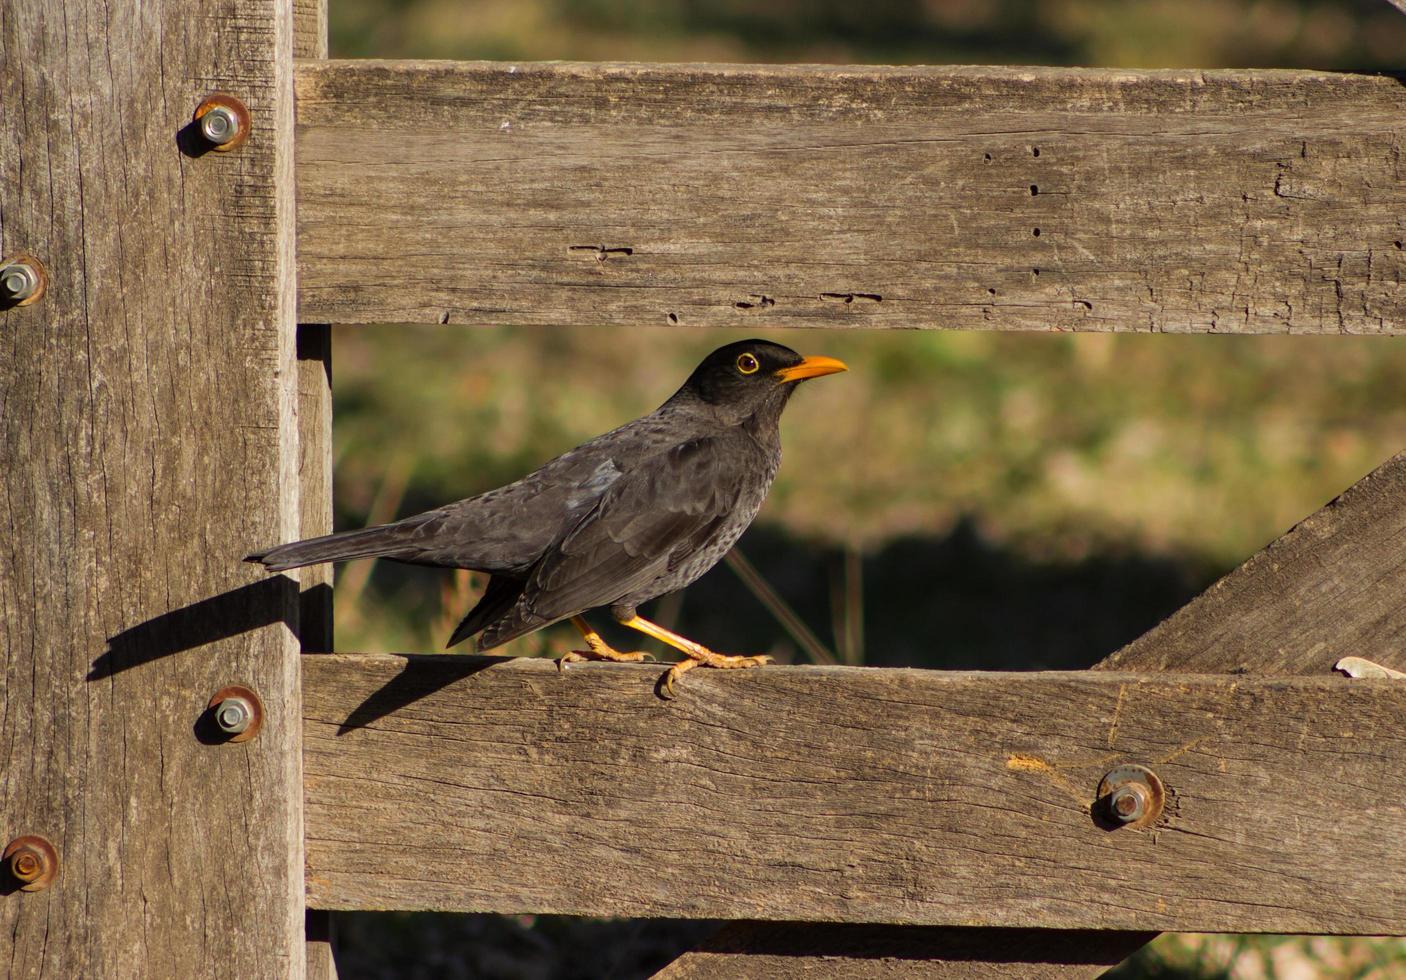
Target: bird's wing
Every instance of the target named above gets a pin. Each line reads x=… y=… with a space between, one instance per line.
x=661 y=512
x=504 y=531
x=507 y=531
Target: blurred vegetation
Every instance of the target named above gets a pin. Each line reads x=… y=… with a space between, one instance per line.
x=1143 y=34
x=1182 y=957
x=957 y=500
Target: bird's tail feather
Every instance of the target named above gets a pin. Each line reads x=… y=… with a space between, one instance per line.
x=385 y=540
x=498 y=597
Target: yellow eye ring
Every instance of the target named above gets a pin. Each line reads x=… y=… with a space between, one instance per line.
x=747 y=364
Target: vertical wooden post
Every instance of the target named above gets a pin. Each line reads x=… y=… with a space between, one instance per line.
x=147 y=432
x=315 y=479
x=314 y=353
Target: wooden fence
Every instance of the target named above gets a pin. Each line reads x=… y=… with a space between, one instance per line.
x=165 y=408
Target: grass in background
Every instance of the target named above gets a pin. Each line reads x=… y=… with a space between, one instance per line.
x=1188 y=957
x=1147 y=34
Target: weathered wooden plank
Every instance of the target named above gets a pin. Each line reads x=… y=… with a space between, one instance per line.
x=747 y=196
x=315 y=479
x=314 y=353
x=1331 y=587
x=843 y=794
x=315 y=517
x=146 y=428
x=314 y=347
x=866 y=952
x=321 y=939
x=309 y=28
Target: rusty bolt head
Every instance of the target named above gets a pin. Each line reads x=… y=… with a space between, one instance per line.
x=223 y=121
x=26 y=865
x=237 y=712
x=1128 y=803
x=32 y=861
x=1132 y=796
x=18 y=282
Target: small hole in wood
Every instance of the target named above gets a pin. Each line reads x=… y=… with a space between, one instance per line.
x=1397 y=243
x=1035 y=273
x=986 y=157
x=991 y=292
x=673 y=318
x=1036 y=233
x=1034 y=151
x=1034 y=190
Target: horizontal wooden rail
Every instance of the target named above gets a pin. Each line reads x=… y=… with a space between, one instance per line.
x=744 y=196
x=845 y=794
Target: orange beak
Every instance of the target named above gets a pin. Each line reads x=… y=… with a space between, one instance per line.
x=811 y=367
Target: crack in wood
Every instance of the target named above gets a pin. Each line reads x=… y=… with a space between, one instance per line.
x=603 y=252
x=852 y=297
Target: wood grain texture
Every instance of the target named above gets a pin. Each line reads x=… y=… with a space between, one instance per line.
x=844 y=794
x=314 y=346
x=146 y=428
x=750 y=196
x=309 y=28
x=321 y=943
x=862 y=952
x=1331 y=587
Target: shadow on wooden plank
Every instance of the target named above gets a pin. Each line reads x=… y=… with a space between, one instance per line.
x=232 y=613
x=760 y=948
x=421 y=677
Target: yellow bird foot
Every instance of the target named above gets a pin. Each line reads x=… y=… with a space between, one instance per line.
x=603 y=653
x=599 y=649
x=706 y=658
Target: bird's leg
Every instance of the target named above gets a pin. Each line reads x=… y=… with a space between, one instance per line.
x=599 y=649
x=695 y=654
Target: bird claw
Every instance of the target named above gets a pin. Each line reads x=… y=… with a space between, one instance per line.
x=605 y=653
x=718 y=661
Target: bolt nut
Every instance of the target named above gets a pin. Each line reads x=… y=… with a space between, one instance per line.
x=219 y=125
x=1130 y=796
x=18 y=281
x=237 y=713
x=21 y=280
x=233 y=715
x=32 y=861
x=1128 y=803
x=26 y=865
x=223 y=121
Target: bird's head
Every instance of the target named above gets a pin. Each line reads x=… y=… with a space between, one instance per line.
x=750 y=376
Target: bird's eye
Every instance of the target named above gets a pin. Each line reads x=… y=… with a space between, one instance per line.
x=747 y=364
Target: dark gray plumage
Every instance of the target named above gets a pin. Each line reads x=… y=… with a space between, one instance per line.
x=633 y=514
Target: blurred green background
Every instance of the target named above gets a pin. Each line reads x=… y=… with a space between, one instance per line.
x=956 y=500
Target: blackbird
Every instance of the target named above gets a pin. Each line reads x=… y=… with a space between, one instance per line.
x=634 y=514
